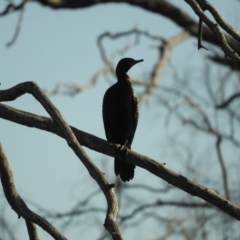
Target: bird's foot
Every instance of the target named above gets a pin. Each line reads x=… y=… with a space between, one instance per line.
x=122 y=151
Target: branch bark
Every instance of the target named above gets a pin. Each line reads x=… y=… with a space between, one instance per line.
x=163 y=7
x=32 y=88
x=222 y=40
x=19 y=206
x=97 y=144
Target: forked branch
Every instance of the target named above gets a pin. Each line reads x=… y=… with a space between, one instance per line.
x=102 y=146
x=19 y=206
x=63 y=127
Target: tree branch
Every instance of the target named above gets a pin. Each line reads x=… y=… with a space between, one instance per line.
x=228 y=101
x=223 y=168
x=98 y=176
x=159 y=203
x=97 y=144
x=17 y=203
x=164 y=53
x=32 y=230
x=163 y=7
x=11 y=7
x=222 y=40
x=224 y=25
x=19 y=24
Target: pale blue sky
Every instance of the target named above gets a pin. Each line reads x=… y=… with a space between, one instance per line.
x=60 y=46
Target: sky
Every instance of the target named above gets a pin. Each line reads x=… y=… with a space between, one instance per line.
x=60 y=46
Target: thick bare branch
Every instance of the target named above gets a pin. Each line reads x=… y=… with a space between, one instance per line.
x=17 y=203
x=158 y=169
x=32 y=88
x=205 y=5
x=163 y=7
x=228 y=50
x=32 y=230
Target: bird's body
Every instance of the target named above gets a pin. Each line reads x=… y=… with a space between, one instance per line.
x=120 y=115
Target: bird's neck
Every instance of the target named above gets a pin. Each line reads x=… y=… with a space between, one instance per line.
x=122 y=77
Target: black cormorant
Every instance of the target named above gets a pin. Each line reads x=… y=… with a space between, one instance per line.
x=120 y=115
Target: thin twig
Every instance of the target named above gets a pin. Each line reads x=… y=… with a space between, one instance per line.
x=19 y=24
x=200 y=35
x=11 y=7
x=223 y=168
x=228 y=101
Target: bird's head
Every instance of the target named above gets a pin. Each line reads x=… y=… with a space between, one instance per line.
x=125 y=64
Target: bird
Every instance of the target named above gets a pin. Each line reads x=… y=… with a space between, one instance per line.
x=120 y=115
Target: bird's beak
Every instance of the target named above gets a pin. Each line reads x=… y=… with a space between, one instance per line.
x=138 y=61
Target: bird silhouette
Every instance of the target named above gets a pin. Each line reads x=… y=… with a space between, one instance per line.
x=120 y=115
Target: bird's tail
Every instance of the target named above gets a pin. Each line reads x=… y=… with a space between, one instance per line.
x=124 y=169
